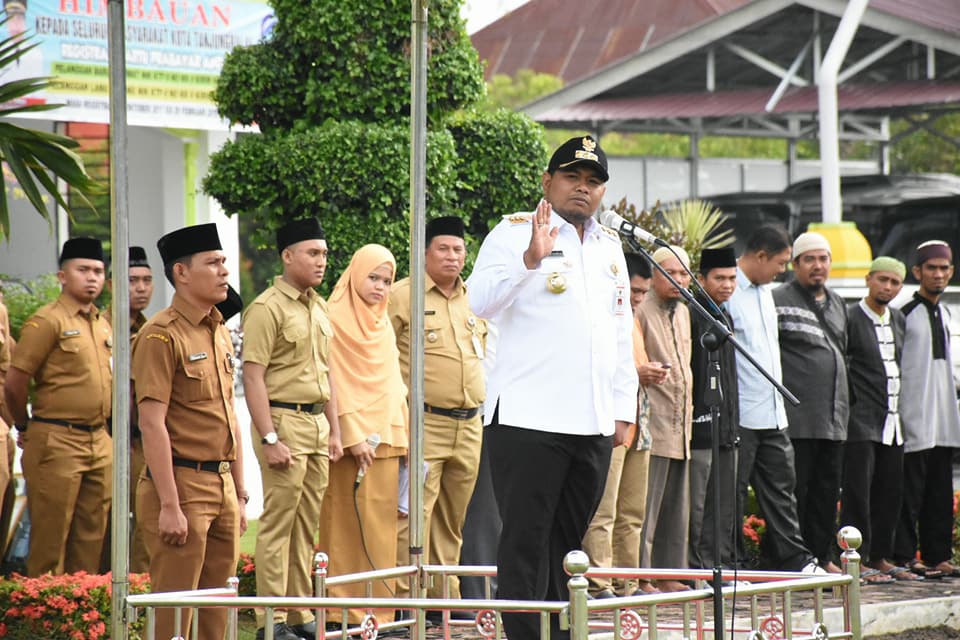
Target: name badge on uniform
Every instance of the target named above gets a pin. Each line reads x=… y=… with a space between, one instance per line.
x=70 y=333
x=194 y=357
x=619 y=299
x=429 y=312
x=477 y=346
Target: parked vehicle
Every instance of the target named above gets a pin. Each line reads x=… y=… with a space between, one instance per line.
x=894 y=212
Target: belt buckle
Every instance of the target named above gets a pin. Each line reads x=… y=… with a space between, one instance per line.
x=224 y=467
x=460 y=413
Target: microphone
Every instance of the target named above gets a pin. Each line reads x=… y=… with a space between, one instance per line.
x=373 y=441
x=616 y=222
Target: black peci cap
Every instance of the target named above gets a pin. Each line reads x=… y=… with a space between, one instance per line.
x=298 y=231
x=717 y=259
x=445 y=226
x=188 y=241
x=138 y=257
x=583 y=150
x=89 y=248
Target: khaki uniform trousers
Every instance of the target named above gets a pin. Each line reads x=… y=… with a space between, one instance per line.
x=291 y=510
x=9 y=495
x=598 y=541
x=139 y=558
x=631 y=513
x=209 y=557
x=69 y=476
x=452 y=453
x=6 y=453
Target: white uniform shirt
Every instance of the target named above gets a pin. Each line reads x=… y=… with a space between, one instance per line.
x=564 y=360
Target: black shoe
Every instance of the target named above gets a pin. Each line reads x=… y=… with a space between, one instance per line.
x=280 y=632
x=307 y=631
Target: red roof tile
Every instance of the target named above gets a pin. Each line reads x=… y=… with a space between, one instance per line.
x=864 y=97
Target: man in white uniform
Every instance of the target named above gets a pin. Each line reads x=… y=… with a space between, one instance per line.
x=563 y=389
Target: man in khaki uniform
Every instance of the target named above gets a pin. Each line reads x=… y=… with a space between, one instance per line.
x=140 y=284
x=189 y=495
x=292 y=402
x=6 y=440
x=66 y=347
x=453 y=393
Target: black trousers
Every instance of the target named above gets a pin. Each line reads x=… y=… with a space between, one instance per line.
x=926 y=518
x=766 y=463
x=548 y=486
x=872 y=494
x=819 y=465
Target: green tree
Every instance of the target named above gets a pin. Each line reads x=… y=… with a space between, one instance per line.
x=32 y=156
x=924 y=150
x=331 y=94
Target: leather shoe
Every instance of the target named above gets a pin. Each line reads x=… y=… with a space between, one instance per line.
x=280 y=632
x=307 y=631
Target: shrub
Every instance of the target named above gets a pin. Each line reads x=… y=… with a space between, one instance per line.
x=73 y=607
x=353 y=176
x=23 y=298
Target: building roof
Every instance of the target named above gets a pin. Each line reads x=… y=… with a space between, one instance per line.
x=889 y=98
x=695 y=65
x=574 y=40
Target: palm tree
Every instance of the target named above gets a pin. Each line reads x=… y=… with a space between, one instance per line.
x=37 y=159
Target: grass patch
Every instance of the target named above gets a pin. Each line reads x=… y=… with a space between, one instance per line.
x=248 y=541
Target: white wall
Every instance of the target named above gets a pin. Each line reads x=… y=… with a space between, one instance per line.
x=32 y=248
x=155 y=166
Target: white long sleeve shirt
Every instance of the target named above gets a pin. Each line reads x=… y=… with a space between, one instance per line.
x=564 y=360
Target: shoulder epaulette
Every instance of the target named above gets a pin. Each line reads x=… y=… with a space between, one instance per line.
x=518 y=218
x=164 y=318
x=613 y=235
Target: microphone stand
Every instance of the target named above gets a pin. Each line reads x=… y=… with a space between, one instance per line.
x=711 y=341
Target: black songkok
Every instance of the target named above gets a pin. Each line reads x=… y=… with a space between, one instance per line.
x=188 y=241
x=298 y=231
x=445 y=226
x=717 y=259
x=88 y=248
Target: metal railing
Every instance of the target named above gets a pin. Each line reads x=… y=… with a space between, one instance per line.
x=771 y=597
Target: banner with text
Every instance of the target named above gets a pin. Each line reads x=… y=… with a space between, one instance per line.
x=174 y=52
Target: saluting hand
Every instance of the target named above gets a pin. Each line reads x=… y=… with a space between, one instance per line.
x=542 y=237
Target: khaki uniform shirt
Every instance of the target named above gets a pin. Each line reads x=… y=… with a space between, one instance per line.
x=453 y=344
x=135 y=326
x=6 y=342
x=289 y=333
x=183 y=358
x=68 y=353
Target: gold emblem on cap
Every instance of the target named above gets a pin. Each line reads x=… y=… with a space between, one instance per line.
x=556 y=283
x=589 y=144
